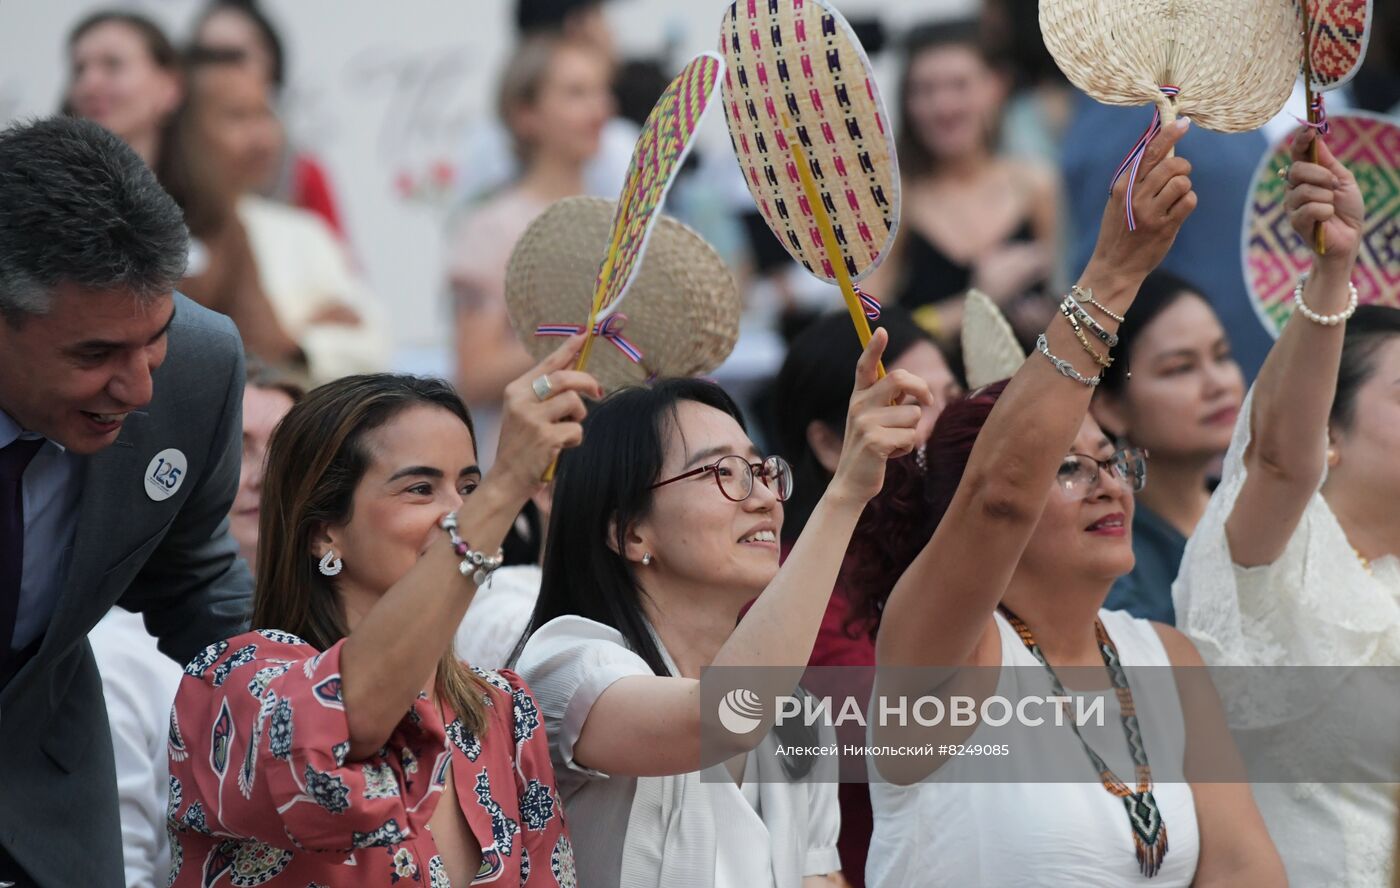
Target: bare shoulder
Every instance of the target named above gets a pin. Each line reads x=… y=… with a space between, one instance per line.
x=1181 y=651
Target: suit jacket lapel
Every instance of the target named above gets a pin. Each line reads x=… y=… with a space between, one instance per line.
x=106 y=530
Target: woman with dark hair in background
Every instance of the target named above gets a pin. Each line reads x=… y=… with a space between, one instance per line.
x=196 y=170
x=665 y=526
x=971 y=217
x=1175 y=391
x=1295 y=562
x=809 y=410
x=125 y=75
x=1031 y=503
x=342 y=742
x=297 y=177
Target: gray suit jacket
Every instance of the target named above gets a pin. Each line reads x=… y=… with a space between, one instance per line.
x=172 y=560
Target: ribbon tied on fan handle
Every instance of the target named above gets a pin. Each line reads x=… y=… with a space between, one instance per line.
x=609 y=329
x=1133 y=161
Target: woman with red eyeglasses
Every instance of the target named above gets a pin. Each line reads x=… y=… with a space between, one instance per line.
x=665 y=525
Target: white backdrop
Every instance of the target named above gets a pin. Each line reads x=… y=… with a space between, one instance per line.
x=384 y=92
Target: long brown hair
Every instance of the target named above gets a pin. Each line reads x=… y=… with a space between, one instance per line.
x=915 y=158
x=316 y=459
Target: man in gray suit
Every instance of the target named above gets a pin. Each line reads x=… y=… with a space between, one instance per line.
x=120 y=424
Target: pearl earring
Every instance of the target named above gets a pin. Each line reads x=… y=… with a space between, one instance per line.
x=330 y=564
x=646 y=559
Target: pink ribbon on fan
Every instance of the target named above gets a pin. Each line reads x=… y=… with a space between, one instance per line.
x=868 y=304
x=1318 y=110
x=1131 y=163
x=610 y=328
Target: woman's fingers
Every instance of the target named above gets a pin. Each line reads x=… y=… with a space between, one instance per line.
x=1300 y=195
x=868 y=367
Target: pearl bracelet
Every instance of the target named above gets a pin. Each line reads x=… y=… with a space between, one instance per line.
x=1065 y=367
x=1331 y=320
x=476 y=565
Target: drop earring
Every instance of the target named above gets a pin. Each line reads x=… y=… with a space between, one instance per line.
x=330 y=565
x=646 y=559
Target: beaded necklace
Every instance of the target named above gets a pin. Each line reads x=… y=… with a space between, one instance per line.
x=1144 y=816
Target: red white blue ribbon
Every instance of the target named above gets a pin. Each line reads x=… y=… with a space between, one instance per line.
x=869 y=304
x=1133 y=161
x=610 y=328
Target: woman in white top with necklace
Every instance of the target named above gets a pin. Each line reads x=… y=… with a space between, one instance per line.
x=665 y=525
x=1295 y=562
x=1035 y=511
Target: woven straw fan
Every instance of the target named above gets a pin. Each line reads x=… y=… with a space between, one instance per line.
x=1336 y=34
x=1232 y=62
x=990 y=350
x=813 y=140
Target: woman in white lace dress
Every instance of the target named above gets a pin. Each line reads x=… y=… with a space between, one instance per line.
x=1294 y=563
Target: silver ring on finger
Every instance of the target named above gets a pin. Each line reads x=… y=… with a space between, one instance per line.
x=542 y=387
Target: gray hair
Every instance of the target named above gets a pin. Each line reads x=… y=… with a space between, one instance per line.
x=78 y=205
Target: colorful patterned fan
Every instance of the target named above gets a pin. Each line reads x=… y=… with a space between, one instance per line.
x=813 y=139
x=1337 y=33
x=1275 y=257
x=665 y=141
x=1227 y=64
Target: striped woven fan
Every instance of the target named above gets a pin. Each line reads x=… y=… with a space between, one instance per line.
x=813 y=139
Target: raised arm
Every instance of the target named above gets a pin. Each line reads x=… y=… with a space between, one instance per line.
x=400 y=640
x=645 y=725
x=942 y=604
x=1293 y=395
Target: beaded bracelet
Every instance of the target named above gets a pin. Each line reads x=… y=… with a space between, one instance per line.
x=1102 y=360
x=1331 y=320
x=1086 y=295
x=474 y=564
x=1065 y=367
x=1107 y=338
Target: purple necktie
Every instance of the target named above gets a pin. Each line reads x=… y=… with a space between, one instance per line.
x=14 y=459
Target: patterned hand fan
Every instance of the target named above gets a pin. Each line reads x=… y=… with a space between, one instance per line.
x=1275 y=256
x=1336 y=34
x=666 y=139
x=1227 y=64
x=813 y=139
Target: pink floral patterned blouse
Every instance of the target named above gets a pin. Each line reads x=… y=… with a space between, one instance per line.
x=261 y=792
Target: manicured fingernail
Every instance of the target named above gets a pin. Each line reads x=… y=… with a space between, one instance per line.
x=1182 y=123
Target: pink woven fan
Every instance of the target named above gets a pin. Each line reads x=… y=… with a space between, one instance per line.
x=813 y=140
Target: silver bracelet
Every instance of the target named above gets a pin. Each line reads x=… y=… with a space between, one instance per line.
x=1325 y=320
x=1107 y=338
x=1065 y=367
x=476 y=565
x=1086 y=295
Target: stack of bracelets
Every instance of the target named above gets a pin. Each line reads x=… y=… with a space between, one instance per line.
x=1079 y=319
x=476 y=565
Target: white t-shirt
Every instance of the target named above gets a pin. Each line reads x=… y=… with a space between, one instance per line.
x=139 y=684
x=678 y=830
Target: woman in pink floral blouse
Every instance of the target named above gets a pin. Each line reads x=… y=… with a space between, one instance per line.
x=342 y=743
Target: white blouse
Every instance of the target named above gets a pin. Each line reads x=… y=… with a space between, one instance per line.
x=659 y=832
x=1317 y=605
x=955 y=829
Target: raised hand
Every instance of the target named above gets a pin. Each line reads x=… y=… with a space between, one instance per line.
x=1162 y=200
x=543 y=415
x=881 y=424
x=1324 y=192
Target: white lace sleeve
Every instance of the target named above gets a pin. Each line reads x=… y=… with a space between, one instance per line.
x=1314 y=606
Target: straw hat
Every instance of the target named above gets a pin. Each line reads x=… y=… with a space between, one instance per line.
x=681 y=311
x=1275 y=257
x=802 y=61
x=1233 y=61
